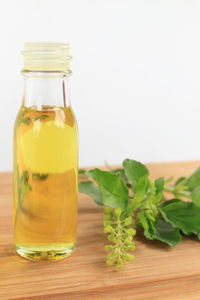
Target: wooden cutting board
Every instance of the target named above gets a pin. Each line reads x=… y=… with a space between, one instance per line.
x=158 y=272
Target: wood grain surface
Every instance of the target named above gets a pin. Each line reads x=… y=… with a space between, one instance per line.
x=158 y=272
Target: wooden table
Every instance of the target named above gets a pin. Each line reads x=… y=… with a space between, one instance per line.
x=158 y=272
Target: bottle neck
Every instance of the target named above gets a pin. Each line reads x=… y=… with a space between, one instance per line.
x=43 y=89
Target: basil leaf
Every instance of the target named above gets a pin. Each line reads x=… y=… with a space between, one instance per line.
x=26 y=121
x=134 y=170
x=81 y=171
x=141 y=192
x=113 y=188
x=167 y=202
x=194 y=180
x=122 y=174
x=166 y=233
x=39 y=176
x=89 y=188
x=180 y=181
x=182 y=215
x=149 y=229
x=41 y=118
x=195 y=196
x=159 y=185
x=159 y=230
x=23 y=185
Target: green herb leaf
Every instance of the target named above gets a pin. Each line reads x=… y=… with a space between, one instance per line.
x=82 y=171
x=122 y=174
x=149 y=229
x=195 y=196
x=167 y=202
x=113 y=189
x=39 y=176
x=134 y=170
x=166 y=233
x=151 y=199
x=159 y=230
x=89 y=188
x=24 y=186
x=194 y=180
x=180 y=181
x=141 y=189
x=26 y=121
x=41 y=118
x=82 y=174
x=159 y=185
x=182 y=215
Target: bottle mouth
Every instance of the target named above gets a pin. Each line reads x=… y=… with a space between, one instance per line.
x=46 y=56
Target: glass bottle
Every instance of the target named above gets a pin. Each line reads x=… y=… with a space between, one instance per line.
x=45 y=157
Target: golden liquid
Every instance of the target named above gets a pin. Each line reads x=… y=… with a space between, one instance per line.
x=45 y=182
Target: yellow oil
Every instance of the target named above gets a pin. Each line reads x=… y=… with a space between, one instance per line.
x=45 y=182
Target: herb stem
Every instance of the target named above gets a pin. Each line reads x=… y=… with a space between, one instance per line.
x=180 y=193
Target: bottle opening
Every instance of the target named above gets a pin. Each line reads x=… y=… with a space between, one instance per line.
x=46 y=56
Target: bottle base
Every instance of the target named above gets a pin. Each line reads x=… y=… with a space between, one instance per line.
x=45 y=253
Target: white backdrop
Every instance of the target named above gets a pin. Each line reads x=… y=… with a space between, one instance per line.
x=136 y=74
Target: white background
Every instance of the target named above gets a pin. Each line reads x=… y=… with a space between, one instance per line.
x=136 y=74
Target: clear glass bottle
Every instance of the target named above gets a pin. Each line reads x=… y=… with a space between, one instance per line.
x=45 y=157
